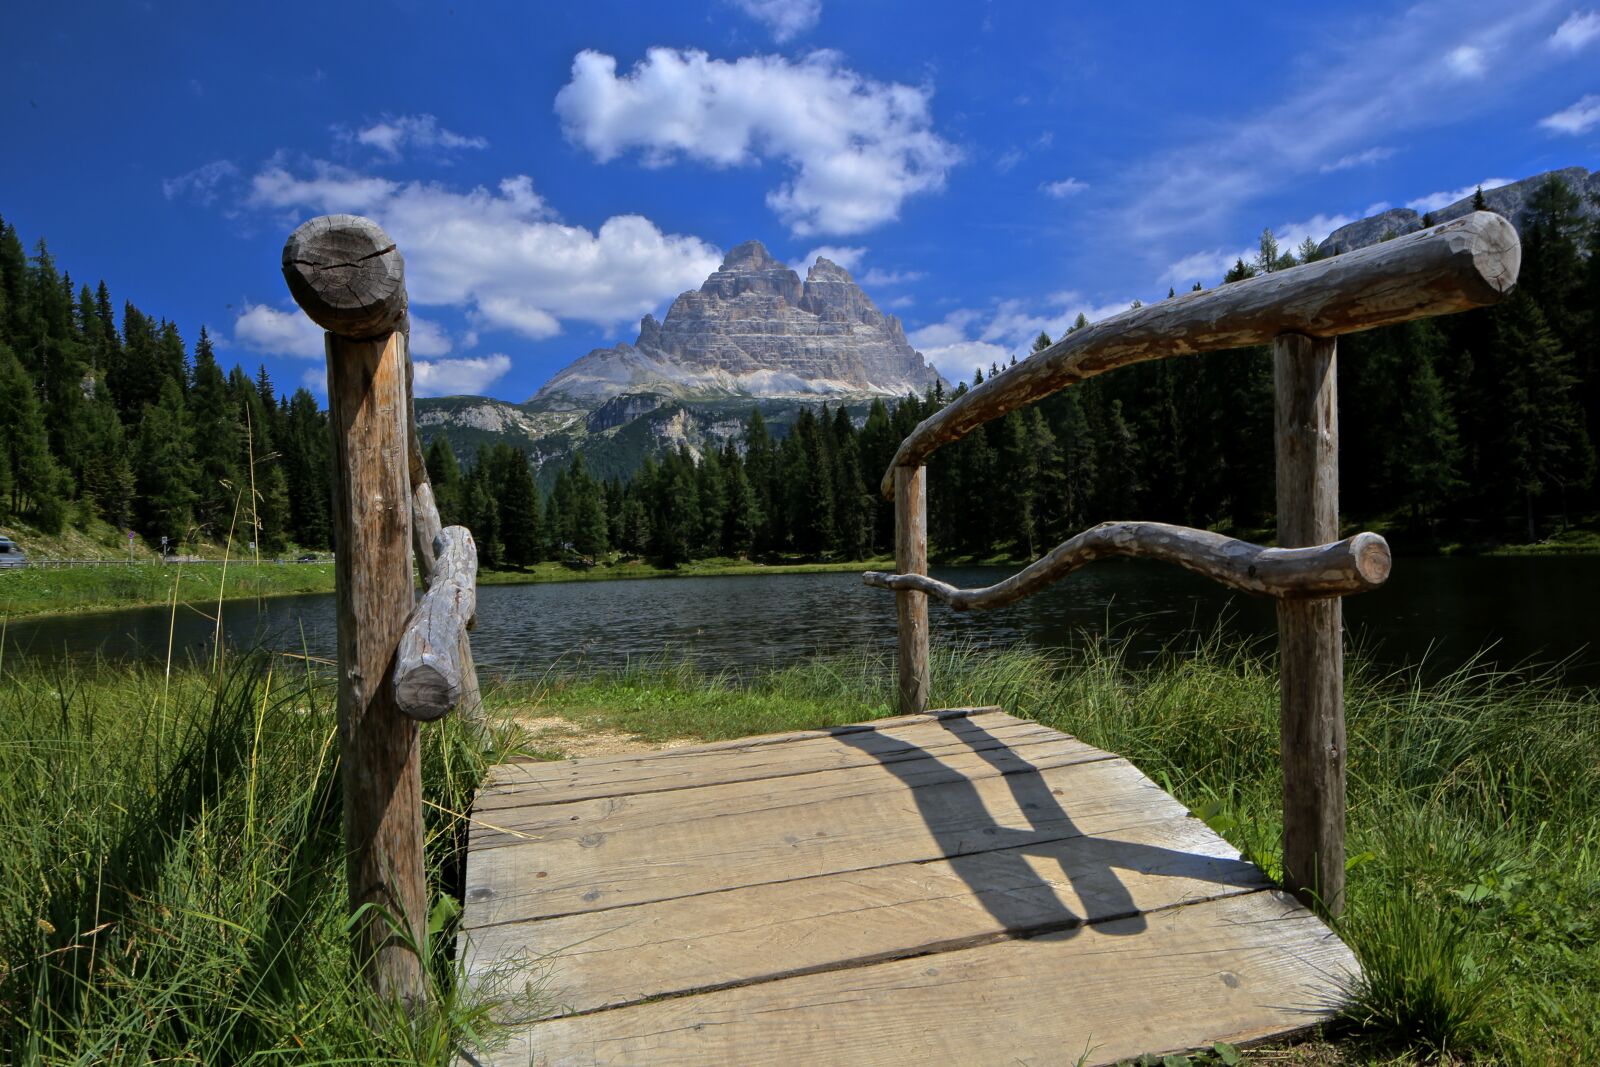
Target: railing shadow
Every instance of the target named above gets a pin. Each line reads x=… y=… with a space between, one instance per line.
x=994 y=860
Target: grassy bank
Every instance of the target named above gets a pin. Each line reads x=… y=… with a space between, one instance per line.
x=172 y=879
x=1474 y=847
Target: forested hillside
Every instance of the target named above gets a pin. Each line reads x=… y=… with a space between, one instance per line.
x=1476 y=428
x=128 y=424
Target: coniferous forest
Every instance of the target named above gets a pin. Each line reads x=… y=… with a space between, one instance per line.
x=1476 y=428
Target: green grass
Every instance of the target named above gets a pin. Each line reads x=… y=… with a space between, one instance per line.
x=64 y=590
x=172 y=883
x=1474 y=825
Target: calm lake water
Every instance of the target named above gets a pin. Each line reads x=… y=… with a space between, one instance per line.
x=1437 y=611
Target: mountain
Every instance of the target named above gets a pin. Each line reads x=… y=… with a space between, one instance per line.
x=1508 y=200
x=752 y=336
x=754 y=330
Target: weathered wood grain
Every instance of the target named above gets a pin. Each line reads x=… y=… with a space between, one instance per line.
x=1353 y=565
x=765 y=755
x=981 y=757
x=1465 y=263
x=346 y=273
x=1239 y=969
x=372 y=575
x=1310 y=633
x=848 y=832
x=430 y=668
x=757 y=933
x=911 y=607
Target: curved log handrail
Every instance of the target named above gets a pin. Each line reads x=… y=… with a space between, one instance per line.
x=1468 y=262
x=1341 y=568
x=431 y=662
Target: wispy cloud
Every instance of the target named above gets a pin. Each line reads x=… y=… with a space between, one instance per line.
x=203 y=184
x=393 y=134
x=856 y=148
x=784 y=19
x=978 y=337
x=885 y=278
x=1579 y=118
x=454 y=377
x=1467 y=61
x=1364 y=158
x=847 y=257
x=1446 y=197
x=1573 y=35
x=1209 y=267
x=1060 y=190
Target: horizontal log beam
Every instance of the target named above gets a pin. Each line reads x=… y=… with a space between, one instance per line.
x=1466 y=263
x=1353 y=565
x=432 y=671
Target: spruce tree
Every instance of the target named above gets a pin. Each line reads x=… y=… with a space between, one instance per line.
x=222 y=480
x=444 y=474
x=164 y=469
x=519 y=508
x=32 y=479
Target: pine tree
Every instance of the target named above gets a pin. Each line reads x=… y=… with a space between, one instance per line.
x=444 y=475
x=31 y=478
x=107 y=475
x=519 y=507
x=221 y=486
x=164 y=469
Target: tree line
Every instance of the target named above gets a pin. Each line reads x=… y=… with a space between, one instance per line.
x=124 y=423
x=1479 y=426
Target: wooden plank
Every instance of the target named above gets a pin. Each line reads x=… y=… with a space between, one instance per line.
x=1337 y=568
x=913 y=671
x=639 y=811
x=600 y=870
x=1310 y=634
x=1240 y=969
x=1467 y=262
x=624 y=955
x=517 y=785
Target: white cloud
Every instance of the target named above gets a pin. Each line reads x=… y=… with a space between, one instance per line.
x=1580 y=28
x=1357 y=159
x=391 y=134
x=784 y=19
x=1008 y=160
x=970 y=337
x=1446 y=197
x=878 y=277
x=454 y=377
x=1364 y=89
x=1064 y=188
x=1578 y=118
x=501 y=254
x=856 y=148
x=428 y=338
x=1208 y=267
x=847 y=257
x=280 y=333
x=1466 y=61
x=201 y=183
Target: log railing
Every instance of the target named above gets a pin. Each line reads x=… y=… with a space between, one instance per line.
x=1469 y=262
x=400 y=662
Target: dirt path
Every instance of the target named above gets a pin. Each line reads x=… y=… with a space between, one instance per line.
x=572 y=740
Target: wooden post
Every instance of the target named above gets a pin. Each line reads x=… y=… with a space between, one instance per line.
x=348 y=277
x=911 y=557
x=1310 y=632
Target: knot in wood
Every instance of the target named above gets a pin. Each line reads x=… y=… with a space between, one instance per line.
x=347 y=275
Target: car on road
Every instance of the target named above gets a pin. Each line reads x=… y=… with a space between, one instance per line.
x=307 y=558
x=11 y=554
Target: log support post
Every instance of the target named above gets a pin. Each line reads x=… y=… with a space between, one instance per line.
x=347 y=276
x=1310 y=632
x=911 y=557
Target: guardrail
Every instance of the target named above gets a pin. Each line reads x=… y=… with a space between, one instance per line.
x=1469 y=262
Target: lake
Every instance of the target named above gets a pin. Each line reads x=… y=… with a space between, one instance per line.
x=1436 y=611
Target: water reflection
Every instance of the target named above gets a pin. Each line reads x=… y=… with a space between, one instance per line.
x=1441 y=609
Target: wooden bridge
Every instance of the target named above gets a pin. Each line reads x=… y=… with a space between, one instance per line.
x=949 y=886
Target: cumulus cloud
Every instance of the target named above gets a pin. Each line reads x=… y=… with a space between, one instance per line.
x=1446 y=197
x=392 y=134
x=1579 y=118
x=847 y=257
x=1357 y=159
x=973 y=337
x=784 y=19
x=428 y=338
x=1064 y=188
x=856 y=149
x=201 y=184
x=501 y=254
x=454 y=377
x=1580 y=28
x=278 y=332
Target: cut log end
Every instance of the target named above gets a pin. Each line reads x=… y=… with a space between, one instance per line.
x=347 y=275
x=1496 y=253
x=429 y=689
x=1373 y=561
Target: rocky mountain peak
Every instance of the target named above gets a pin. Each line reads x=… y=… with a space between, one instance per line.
x=753 y=329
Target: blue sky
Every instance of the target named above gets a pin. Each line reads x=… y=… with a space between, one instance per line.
x=554 y=171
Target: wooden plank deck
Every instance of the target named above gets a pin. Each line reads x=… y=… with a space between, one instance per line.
x=960 y=887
